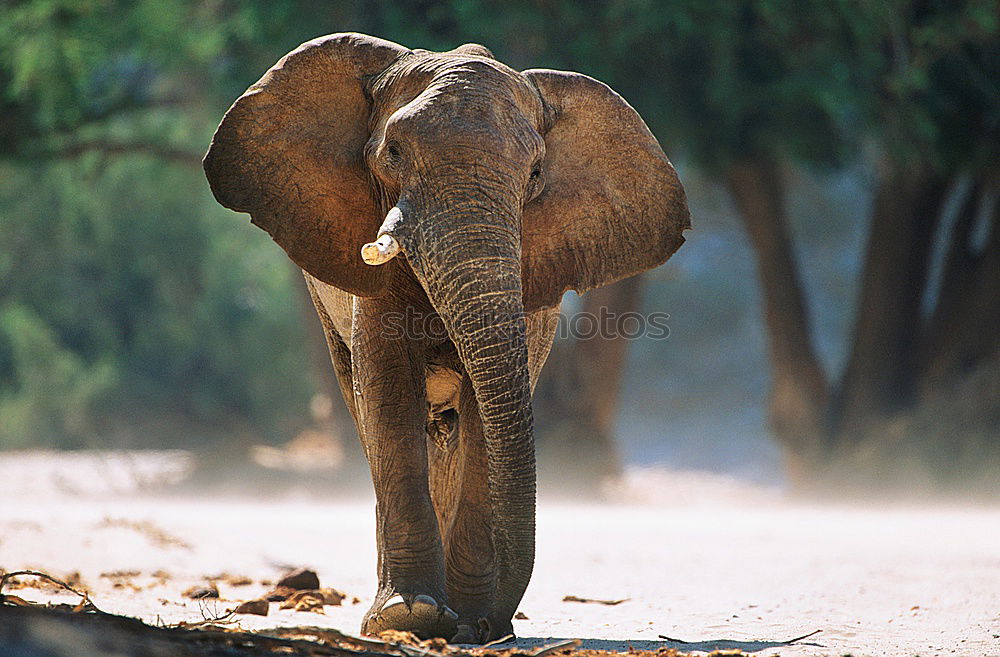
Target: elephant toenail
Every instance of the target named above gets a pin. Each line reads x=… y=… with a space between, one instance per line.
x=425 y=600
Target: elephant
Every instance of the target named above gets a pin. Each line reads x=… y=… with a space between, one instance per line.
x=407 y=183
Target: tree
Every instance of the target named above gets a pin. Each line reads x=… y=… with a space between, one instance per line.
x=124 y=290
x=921 y=77
x=132 y=307
x=577 y=396
x=745 y=90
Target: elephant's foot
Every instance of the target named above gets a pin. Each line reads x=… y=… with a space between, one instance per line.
x=481 y=631
x=468 y=633
x=420 y=614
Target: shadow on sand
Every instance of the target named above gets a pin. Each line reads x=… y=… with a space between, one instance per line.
x=624 y=645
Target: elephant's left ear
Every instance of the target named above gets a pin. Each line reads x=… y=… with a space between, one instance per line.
x=612 y=205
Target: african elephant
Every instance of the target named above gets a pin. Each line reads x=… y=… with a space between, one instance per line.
x=409 y=183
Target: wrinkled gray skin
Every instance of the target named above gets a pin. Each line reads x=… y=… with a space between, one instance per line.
x=511 y=188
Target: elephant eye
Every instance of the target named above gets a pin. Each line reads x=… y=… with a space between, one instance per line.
x=535 y=182
x=393 y=152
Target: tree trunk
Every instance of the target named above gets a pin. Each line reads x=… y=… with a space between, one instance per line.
x=577 y=396
x=962 y=329
x=799 y=394
x=883 y=360
x=918 y=400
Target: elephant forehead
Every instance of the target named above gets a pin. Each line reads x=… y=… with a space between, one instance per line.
x=448 y=90
x=446 y=116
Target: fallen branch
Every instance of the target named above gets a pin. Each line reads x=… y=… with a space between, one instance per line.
x=673 y=640
x=86 y=604
x=206 y=621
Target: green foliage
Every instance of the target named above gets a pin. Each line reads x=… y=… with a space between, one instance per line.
x=126 y=292
x=811 y=80
x=48 y=389
x=939 y=89
x=129 y=292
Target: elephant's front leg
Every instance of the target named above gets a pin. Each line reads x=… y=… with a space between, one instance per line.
x=470 y=561
x=388 y=372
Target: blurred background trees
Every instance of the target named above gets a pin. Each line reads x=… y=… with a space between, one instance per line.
x=839 y=292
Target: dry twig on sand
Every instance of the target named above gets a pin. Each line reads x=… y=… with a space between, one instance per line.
x=595 y=601
x=86 y=604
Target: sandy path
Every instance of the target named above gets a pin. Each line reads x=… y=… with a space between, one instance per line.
x=876 y=581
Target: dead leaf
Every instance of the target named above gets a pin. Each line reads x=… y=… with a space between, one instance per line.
x=14 y=600
x=437 y=644
x=156 y=535
x=399 y=636
x=83 y=605
x=305 y=601
x=125 y=583
x=520 y=616
x=562 y=646
x=118 y=574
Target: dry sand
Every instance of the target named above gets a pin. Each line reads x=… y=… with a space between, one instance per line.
x=707 y=560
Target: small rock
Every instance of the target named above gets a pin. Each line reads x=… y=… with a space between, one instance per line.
x=301 y=579
x=520 y=616
x=201 y=592
x=256 y=607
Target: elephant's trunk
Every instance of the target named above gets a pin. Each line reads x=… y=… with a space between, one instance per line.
x=470 y=266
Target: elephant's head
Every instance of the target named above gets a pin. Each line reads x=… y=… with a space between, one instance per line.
x=503 y=189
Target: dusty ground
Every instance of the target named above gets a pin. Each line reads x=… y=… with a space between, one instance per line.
x=705 y=560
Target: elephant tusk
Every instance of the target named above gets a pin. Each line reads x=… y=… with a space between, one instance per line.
x=380 y=251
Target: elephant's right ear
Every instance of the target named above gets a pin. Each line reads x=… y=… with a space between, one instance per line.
x=290 y=153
